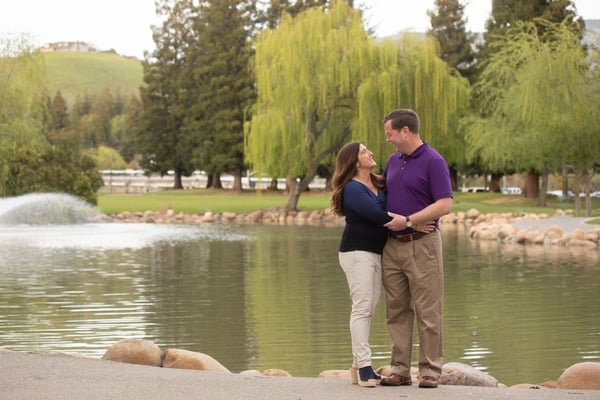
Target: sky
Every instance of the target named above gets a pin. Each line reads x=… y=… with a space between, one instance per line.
x=124 y=25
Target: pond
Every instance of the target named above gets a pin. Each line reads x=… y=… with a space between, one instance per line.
x=259 y=297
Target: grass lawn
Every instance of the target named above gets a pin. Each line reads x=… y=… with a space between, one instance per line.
x=199 y=201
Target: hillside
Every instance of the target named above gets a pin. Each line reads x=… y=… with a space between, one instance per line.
x=73 y=73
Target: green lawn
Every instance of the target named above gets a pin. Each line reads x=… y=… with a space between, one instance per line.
x=199 y=201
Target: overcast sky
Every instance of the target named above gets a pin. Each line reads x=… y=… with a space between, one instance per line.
x=124 y=25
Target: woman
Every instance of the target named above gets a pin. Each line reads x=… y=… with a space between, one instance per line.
x=359 y=195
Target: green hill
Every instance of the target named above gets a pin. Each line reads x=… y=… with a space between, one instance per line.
x=76 y=73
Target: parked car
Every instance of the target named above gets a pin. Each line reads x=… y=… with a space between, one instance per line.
x=474 y=189
x=511 y=190
x=593 y=194
x=559 y=194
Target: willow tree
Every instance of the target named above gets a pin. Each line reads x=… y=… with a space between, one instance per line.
x=536 y=90
x=307 y=74
x=410 y=74
x=556 y=95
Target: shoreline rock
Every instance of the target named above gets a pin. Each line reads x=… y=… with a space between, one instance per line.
x=492 y=226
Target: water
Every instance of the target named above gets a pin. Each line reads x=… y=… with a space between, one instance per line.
x=46 y=208
x=258 y=297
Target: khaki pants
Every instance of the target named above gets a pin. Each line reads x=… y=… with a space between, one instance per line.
x=413 y=278
x=363 y=273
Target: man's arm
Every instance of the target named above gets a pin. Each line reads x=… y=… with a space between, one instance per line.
x=433 y=211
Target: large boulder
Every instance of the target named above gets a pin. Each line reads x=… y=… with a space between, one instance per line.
x=134 y=351
x=454 y=373
x=185 y=359
x=581 y=376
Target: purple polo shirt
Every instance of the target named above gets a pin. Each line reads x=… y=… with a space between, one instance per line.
x=416 y=181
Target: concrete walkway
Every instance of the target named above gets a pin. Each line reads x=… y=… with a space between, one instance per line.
x=36 y=376
x=565 y=222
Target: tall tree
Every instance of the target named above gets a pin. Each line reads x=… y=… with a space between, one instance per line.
x=162 y=139
x=448 y=27
x=35 y=155
x=322 y=80
x=275 y=9
x=21 y=75
x=306 y=76
x=410 y=74
x=217 y=68
x=59 y=112
x=133 y=112
x=535 y=91
x=507 y=14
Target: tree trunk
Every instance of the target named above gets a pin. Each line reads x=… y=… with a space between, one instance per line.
x=237 y=182
x=177 y=184
x=495 y=183
x=565 y=183
x=290 y=184
x=454 y=178
x=531 y=189
x=587 y=182
x=273 y=185
x=294 y=197
x=542 y=193
x=216 y=181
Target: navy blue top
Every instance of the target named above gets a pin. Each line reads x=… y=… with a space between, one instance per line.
x=365 y=215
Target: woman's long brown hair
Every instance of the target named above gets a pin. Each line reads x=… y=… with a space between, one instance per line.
x=345 y=170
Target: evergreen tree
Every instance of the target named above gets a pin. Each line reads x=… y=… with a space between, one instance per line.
x=217 y=68
x=448 y=28
x=59 y=113
x=37 y=152
x=133 y=114
x=506 y=14
x=162 y=138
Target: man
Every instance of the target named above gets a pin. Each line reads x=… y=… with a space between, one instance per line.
x=419 y=190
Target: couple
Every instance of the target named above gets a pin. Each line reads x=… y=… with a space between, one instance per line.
x=391 y=240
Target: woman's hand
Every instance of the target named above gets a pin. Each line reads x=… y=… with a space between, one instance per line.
x=426 y=227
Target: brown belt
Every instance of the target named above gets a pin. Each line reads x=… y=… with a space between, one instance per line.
x=408 y=237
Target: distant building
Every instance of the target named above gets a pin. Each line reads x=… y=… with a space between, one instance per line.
x=67 y=46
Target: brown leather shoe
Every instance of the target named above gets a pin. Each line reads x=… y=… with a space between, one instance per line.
x=428 y=382
x=396 y=380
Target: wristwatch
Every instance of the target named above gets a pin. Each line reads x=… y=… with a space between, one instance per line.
x=408 y=222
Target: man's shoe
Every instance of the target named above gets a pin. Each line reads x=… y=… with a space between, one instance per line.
x=428 y=382
x=396 y=380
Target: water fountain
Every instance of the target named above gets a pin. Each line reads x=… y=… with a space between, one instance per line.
x=46 y=209
x=63 y=221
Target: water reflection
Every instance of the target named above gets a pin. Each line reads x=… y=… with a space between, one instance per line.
x=258 y=297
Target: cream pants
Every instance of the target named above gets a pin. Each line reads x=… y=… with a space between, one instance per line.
x=363 y=273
